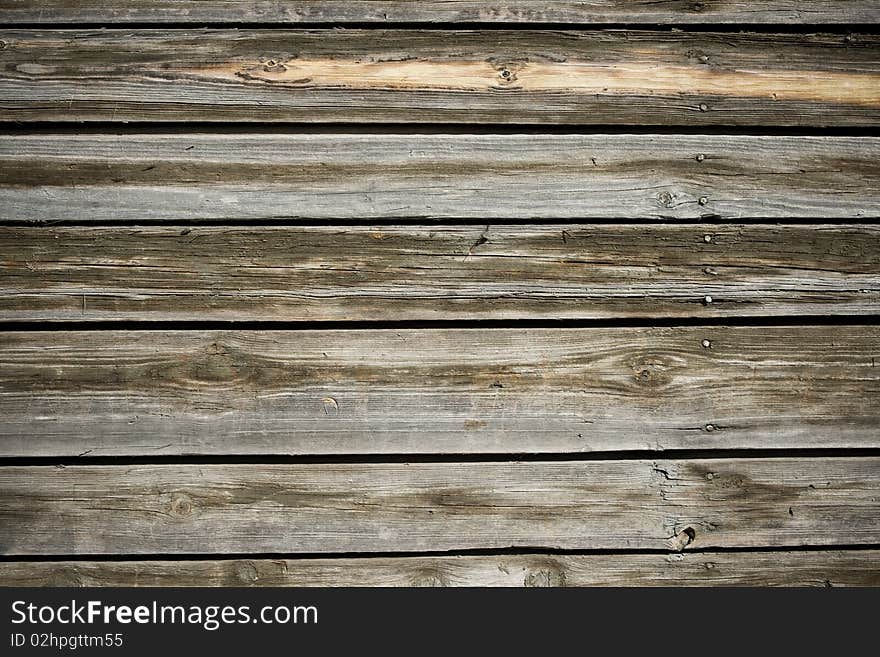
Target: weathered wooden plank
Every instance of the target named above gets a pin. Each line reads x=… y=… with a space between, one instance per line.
x=430 y=11
x=438 y=391
x=521 y=76
x=778 y=568
x=326 y=508
x=437 y=272
x=137 y=177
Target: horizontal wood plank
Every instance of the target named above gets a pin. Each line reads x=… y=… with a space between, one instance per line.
x=244 y=176
x=317 y=508
x=436 y=272
x=506 y=76
x=779 y=568
x=431 y=11
x=438 y=391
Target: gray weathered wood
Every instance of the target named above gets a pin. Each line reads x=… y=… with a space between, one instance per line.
x=438 y=391
x=318 y=508
x=137 y=177
x=813 y=568
x=430 y=11
x=506 y=76
x=437 y=272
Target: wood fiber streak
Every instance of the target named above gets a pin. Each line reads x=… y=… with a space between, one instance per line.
x=479 y=177
x=507 y=76
x=386 y=273
x=168 y=509
x=815 y=568
x=440 y=391
x=430 y=11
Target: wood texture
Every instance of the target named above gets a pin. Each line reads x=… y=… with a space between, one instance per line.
x=437 y=391
x=814 y=568
x=479 y=177
x=521 y=76
x=429 y=11
x=437 y=272
x=210 y=509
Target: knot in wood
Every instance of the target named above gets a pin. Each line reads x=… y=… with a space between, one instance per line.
x=506 y=75
x=544 y=575
x=652 y=369
x=429 y=577
x=246 y=572
x=682 y=539
x=272 y=66
x=181 y=505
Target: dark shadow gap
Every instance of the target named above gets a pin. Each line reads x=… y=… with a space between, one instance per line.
x=474 y=324
x=472 y=552
x=387 y=459
x=433 y=223
x=437 y=26
x=417 y=129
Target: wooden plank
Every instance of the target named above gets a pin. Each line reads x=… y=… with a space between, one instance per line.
x=487 y=177
x=430 y=11
x=326 y=508
x=448 y=391
x=497 y=76
x=437 y=272
x=813 y=568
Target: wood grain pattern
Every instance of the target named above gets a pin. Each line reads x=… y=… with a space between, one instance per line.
x=317 y=508
x=480 y=177
x=521 y=76
x=814 y=568
x=430 y=11
x=437 y=391
x=437 y=272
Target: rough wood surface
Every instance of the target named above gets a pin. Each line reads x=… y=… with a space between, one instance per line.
x=430 y=11
x=438 y=391
x=480 y=177
x=317 y=508
x=814 y=568
x=521 y=76
x=437 y=272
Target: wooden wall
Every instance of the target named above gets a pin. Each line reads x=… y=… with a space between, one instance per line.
x=439 y=293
